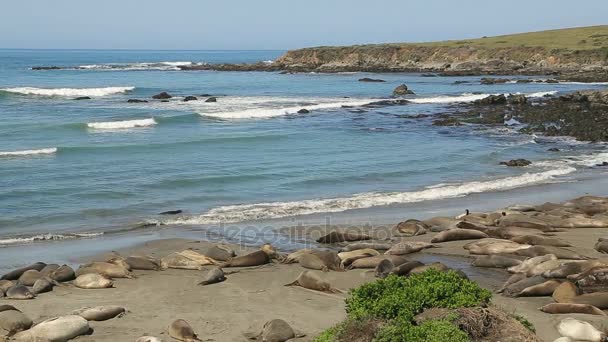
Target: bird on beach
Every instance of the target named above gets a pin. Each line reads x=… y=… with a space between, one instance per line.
x=466 y=213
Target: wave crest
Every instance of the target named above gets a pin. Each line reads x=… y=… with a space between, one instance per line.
x=111 y=125
x=46 y=237
x=51 y=150
x=95 y=92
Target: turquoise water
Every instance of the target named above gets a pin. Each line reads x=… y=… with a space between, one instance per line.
x=104 y=165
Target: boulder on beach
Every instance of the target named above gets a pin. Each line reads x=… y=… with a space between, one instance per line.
x=402 y=90
x=162 y=96
x=516 y=162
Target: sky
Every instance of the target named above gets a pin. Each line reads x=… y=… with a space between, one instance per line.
x=276 y=24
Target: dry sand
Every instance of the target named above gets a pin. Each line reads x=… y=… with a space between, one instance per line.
x=251 y=297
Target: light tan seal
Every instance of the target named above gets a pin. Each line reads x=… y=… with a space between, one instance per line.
x=528 y=264
x=408 y=247
x=276 y=330
x=29 y=277
x=104 y=268
x=495 y=261
x=487 y=247
x=372 y=262
x=569 y=308
x=410 y=228
x=294 y=257
x=347 y=258
x=19 y=292
x=148 y=339
x=14 y=321
x=565 y=292
x=312 y=281
x=100 y=313
x=580 y=331
x=379 y=246
x=93 y=281
x=458 y=234
x=182 y=331
x=5 y=285
x=540 y=240
x=62 y=328
x=559 y=252
x=544 y=289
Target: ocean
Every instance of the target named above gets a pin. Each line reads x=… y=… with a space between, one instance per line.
x=86 y=169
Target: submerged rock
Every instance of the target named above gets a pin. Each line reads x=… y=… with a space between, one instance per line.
x=516 y=162
x=492 y=100
x=402 y=90
x=82 y=98
x=489 y=80
x=162 y=96
x=190 y=98
x=447 y=122
x=303 y=111
x=136 y=101
x=211 y=99
x=367 y=79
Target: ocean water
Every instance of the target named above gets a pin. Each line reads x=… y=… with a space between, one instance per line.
x=79 y=168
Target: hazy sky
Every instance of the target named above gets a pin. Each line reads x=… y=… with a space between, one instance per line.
x=276 y=24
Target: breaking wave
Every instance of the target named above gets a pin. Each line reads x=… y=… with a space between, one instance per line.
x=95 y=92
x=111 y=125
x=169 y=66
x=46 y=237
x=24 y=153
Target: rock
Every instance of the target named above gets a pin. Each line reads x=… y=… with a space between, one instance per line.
x=303 y=111
x=402 y=90
x=171 y=212
x=136 y=101
x=602 y=164
x=429 y=75
x=525 y=81
x=162 y=96
x=211 y=99
x=492 y=100
x=82 y=98
x=190 y=98
x=461 y=82
x=447 y=122
x=367 y=79
x=519 y=99
x=553 y=149
x=575 y=97
x=489 y=80
x=516 y=162
x=46 y=68
x=551 y=80
x=164 y=100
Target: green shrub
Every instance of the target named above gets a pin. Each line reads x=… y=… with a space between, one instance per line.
x=400 y=297
x=429 y=331
x=328 y=335
x=525 y=322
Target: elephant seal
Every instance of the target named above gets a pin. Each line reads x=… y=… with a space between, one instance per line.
x=441 y=223
x=347 y=258
x=15 y=274
x=540 y=240
x=405 y=268
x=143 y=263
x=544 y=289
x=120 y=261
x=597 y=299
x=48 y=269
x=495 y=261
x=100 y=313
x=276 y=330
x=579 y=330
x=410 y=228
x=62 y=274
x=511 y=232
x=336 y=236
x=220 y=253
x=573 y=268
x=516 y=288
x=524 y=221
x=179 y=261
x=214 y=276
x=494 y=247
x=104 y=268
x=148 y=339
x=560 y=253
x=544 y=267
x=372 y=262
x=42 y=285
x=384 y=268
x=569 y=308
x=593 y=280
x=528 y=264
x=29 y=277
x=458 y=234
x=602 y=245
x=256 y=258
x=435 y=266
x=5 y=285
x=62 y=328
x=201 y=259
x=182 y=331
x=565 y=292
x=408 y=247
x=313 y=262
x=512 y=280
x=19 y=292
x=473 y=226
x=93 y=281
x=312 y=281
x=7 y=307
x=379 y=246
x=14 y=321
x=295 y=256
x=330 y=259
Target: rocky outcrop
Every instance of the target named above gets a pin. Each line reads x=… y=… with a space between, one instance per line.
x=402 y=90
x=190 y=98
x=492 y=100
x=162 y=96
x=211 y=99
x=516 y=162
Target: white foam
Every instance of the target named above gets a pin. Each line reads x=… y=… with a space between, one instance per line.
x=512 y=122
x=111 y=125
x=467 y=97
x=249 y=212
x=68 y=91
x=47 y=237
x=542 y=93
x=51 y=150
x=137 y=66
x=256 y=113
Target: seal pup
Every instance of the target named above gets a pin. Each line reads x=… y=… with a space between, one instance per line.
x=276 y=330
x=410 y=228
x=336 y=236
x=568 y=308
x=347 y=258
x=63 y=328
x=143 y=263
x=93 y=281
x=565 y=292
x=62 y=274
x=182 y=331
x=214 y=276
x=405 y=268
x=458 y=234
x=19 y=292
x=312 y=281
x=14 y=321
x=544 y=289
x=579 y=330
x=384 y=268
x=100 y=313
x=15 y=274
x=408 y=247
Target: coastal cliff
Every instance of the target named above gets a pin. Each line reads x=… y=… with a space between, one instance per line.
x=556 y=51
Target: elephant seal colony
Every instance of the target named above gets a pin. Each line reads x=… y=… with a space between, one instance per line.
x=548 y=262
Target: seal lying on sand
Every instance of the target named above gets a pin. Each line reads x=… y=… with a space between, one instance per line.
x=15 y=274
x=560 y=253
x=256 y=258
x=48 y=269
x=384 y=268
x=44 y=284
x=312 y=281
x=372 y=262
x=63 y=273
x=14 y=321
x=512 y=280
x=543 y=289
x=565 y=292
x=435 y=266
x=62 y=328
x=408 y=247
x=516 y=288
x=405 y=268
x=458 y=234
x=593 y=280
x=411 y=228
x=295 y=256
x=568 y=308
x=93 y=281
x=493 y=246
x=379 y=246
x=495 y=261
x=540 y=240
x=597 y=299
x=528 y=264
x=100 y=313
x=148 y=339
x=104 y=268
x=602 y=245
x=19 y=292
x=143 y=263
x=336 y=236
x=347 y=258
x=214 y=276
x=5 y=285
x=29 y=277
x=220 y=252
x=572 y=268
x=276 y=330
x=579 y=330
x=182 y=331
